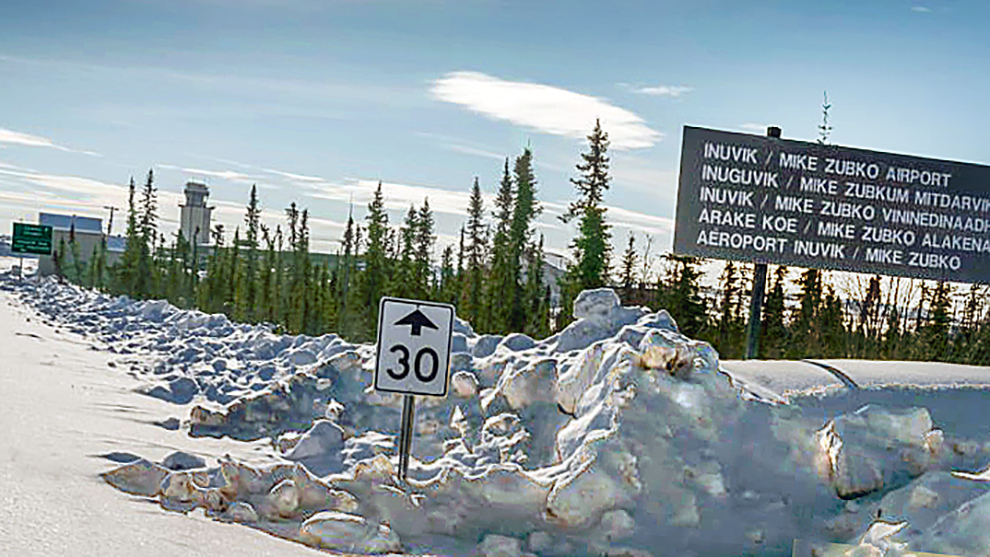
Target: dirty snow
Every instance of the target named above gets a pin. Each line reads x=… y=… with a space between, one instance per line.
x=617 y=436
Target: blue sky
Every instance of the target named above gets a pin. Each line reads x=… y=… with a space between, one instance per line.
x=316 y=101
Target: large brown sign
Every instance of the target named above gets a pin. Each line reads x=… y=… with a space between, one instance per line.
x=761 y=199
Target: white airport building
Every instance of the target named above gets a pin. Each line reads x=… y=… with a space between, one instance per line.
x=194 y=215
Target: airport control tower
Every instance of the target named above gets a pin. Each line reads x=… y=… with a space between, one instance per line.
x=194 y=219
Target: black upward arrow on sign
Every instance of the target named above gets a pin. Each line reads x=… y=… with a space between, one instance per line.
x=416 y=321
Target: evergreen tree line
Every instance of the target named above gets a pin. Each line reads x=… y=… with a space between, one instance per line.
x=810 y=315
x=494 y=277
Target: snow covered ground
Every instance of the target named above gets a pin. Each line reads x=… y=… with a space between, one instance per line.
x=618 y=436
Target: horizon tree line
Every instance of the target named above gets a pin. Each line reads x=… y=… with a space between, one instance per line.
x=495 y=276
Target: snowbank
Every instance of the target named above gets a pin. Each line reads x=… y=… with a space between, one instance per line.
x=618 y=436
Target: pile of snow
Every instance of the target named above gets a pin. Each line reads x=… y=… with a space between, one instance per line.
x=618 y=436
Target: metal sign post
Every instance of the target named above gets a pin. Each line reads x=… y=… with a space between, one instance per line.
x=759 y=291
x=406 y=433
x=413 y=358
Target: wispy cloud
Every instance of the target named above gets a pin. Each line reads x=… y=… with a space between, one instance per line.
x=643 y=174
x=324 y=232
x=673 y=91
x=229 y=175
x=757 y=128
x=88 y=197
x=398 y=197
x=19 y=138
x=464 y=149
x=921 y=9
x=294 y=177
x=544 y=108
x=640 y=222
x=57 y=192
x=11 y=166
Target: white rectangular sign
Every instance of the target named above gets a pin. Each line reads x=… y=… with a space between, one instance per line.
x=414 y=339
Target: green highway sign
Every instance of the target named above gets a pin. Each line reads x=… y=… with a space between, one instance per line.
x=32 y=238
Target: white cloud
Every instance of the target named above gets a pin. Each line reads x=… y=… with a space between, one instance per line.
x=461 y=146
x=674 y=91
x=324 y=233
x=294 y=177
x=88 y=197
x=920 y=9
x=643 y=175
x=19 y=138
x=10 y=136
x=11 y=166
x=757 y=128
x=245 y=178
x=229 y=175
x=640 y=222
x=457 y=148
x=544 y=108
x=398 y=197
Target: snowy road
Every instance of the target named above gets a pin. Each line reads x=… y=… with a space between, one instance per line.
x=63 y=407
x=618 y=436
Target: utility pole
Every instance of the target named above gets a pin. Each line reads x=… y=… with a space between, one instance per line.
x=759 y=291
x=110 y=224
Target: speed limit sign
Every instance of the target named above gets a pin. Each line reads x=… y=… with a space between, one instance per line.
x=413 y=347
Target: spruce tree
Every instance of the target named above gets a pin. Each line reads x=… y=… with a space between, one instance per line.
x=424 y=239
x=342 y=290
x=59 y=258
x=266 y=277
x=524 y=211
x=682 y=295
x=537 y=313
x=193 y=284
x=76 y=269
x=374 y=278
x=127 y=270
x=832 y=325
x=627 y=275
x=497 y=309
x=730 y=325
x=806 y=340
x=231 y=274
x=475 y=249
x=458 y=272
x=935 y=335
x=91 y=269
x=592 y=246
x=404 y=280
x=445 y=290
x=773 y=328
x=299 y=295
x=278 y=290
x=209 y=290
x=247 y=303
x=148 y=226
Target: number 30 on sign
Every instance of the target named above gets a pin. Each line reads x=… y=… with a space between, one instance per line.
x=414 y=339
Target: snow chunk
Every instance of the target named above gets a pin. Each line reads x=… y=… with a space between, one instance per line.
x=347 y=532
x=324 y=437
x=464 y=384
x=499 y=546
x=183 y=461
x=141 y=477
